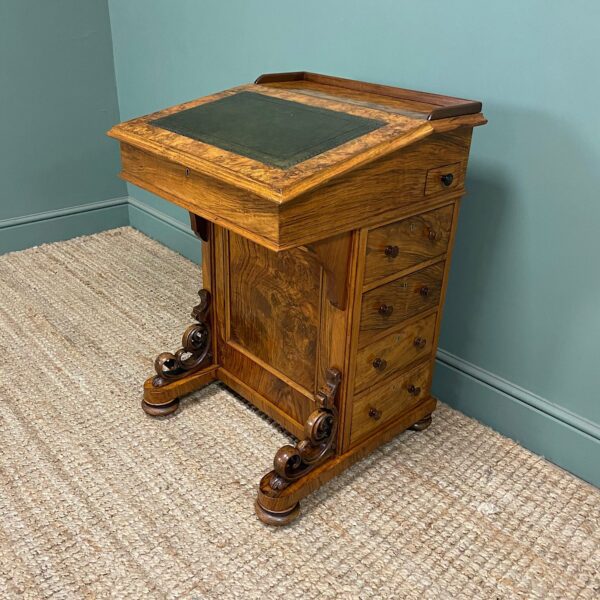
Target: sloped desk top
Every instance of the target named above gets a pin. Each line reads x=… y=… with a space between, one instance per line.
x=252 y=155
x=279 y=133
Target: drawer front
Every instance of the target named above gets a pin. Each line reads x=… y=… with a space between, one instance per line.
x=444 y=179
x=406 y=243
x=382 y=404
x=387 y=356
x=390 y=304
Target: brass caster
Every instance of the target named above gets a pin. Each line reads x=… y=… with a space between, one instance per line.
x=278 y=519
x=160 y=410
x=421 y=425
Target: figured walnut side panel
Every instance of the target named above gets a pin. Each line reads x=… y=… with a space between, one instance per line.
x=274 y=306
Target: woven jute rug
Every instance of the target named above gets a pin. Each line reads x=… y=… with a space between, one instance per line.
x=98 y=500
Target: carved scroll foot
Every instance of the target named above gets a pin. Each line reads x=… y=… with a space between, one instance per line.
x=281 y=489
x=195 y=347
x=187 y=370
x=421 y=425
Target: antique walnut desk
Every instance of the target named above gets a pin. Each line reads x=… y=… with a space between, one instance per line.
x=327 y=210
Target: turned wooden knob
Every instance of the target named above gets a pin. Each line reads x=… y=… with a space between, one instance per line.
x=424 y=291
x=415 y=391
x=386 y=310
x=420 y=342
x=380 y=364
x=447 y=179
x=391 y=251
x=374 y=413
x=432 y=235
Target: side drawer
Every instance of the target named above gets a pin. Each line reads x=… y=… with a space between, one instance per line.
x=382 y=404
x=390 y=304
x=386 y=356
x=401 y=245
x=444 y=179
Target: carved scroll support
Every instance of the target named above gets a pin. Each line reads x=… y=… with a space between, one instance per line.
x=185 y=370
x=277 y=502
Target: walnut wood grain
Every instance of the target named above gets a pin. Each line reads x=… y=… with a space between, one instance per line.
x=334 y=254
x=160 y=401
x=375 y=407
x=390 y=304
x=277 y=393
x=274 y=306
x=444 y=178
x=374 y=193
x=383 y=358
x=204 y=196
x=433 y=106
x=408 y=242
x=369 y=193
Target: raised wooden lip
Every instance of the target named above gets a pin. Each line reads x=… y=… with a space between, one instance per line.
x=447 y=105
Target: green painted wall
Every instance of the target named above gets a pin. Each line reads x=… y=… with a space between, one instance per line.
x=57 y=99
x=521 y=336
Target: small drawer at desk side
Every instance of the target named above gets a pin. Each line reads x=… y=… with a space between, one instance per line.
x=388 y=305
x=408 y=242
x=381 y=404
x=444 y=179
x=389 y=355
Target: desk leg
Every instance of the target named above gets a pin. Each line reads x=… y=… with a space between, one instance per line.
x=189 y=369
x=292 y=464
x=280 y=505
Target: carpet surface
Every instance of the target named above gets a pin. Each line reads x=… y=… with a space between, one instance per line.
x=97 y=500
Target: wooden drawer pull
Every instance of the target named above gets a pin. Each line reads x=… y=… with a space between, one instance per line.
x=374 y=413
x=420 y=342
x=424 y=291
x=432 y=235
x=380 y=364
x=414 y=391
x=391 y=251
x=386 y=310
x=447 y=179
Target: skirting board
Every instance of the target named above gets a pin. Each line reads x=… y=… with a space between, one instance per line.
x=545 y=428
x=62 y=224
x=165 y=229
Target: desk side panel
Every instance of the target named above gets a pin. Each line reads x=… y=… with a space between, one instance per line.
x=385 y=190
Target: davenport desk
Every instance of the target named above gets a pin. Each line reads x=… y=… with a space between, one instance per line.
x=327 y=210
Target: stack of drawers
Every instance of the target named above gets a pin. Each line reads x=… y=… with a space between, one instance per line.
x=402 y=290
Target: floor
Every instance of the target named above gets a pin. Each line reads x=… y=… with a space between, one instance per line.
x=97 y=500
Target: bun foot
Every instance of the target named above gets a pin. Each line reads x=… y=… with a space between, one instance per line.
x=421 y=425
x=160 y=410
x=277 y=519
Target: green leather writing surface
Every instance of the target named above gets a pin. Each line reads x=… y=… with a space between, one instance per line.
x=273 y=131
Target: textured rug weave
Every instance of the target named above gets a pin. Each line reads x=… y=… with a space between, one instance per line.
x=97 y=500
